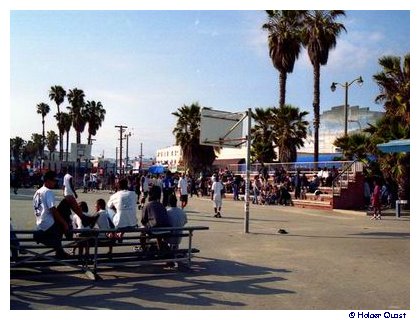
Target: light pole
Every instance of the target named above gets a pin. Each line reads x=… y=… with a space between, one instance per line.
x=121 y=128
x=346 y=86
x=126 y=149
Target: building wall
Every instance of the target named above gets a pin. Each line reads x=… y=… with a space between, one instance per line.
x=171 y=156
x=332 y=126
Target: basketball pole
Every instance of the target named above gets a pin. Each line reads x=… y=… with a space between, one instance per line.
x=248 y=164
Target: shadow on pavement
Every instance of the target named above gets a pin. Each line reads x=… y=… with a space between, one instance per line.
x=205 y=285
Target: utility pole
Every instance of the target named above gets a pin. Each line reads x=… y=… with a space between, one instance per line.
x=122 y=129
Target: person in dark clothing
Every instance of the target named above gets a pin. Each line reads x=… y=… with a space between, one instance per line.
x=154 y=214
x=168 y=188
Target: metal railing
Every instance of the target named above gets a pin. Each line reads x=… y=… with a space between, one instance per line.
x=346 y=175
x=290 y=167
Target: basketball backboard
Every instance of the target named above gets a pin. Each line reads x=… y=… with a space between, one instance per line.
x=221 y=128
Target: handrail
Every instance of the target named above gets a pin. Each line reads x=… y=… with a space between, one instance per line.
x=343 y=175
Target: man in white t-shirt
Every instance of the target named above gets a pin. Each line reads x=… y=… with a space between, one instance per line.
x=50 y=224
x=123 y=202
x=216 y=195
x=183 y=191
x=68 y=187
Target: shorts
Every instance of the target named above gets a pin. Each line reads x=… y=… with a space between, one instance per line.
x=184 y=198
x=217 y=202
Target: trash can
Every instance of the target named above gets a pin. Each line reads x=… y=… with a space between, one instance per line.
x=398 y=205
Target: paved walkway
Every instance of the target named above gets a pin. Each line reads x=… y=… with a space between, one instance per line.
x=327 y=260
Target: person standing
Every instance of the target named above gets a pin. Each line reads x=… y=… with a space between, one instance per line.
x=216 y=195
x=68 y=186
x=376 y=201
x=123 y=202
x=193 y=186
x=168 y=188
x=298 y=184
x=183 y=191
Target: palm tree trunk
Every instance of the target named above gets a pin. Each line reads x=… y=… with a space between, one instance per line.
x=43 y=137
x=282 y=84
x=78 y=137
x=61 y=146
x=316 y=111
x=67 y=147
x=60 y=135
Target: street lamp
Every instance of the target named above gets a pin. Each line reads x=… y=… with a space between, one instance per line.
x=346 y=86
x=126 y=149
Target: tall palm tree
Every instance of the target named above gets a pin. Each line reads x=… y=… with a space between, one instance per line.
x=289 y=131
x=196 y=157
x=66 y=122
x=76 y=98
x=95 y=114
x=284 y=43
x=58 y=94
x=319 y=35
x=262 y=149
x=43 y=109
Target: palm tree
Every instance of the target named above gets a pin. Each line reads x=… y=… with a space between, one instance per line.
x=66 y=122
x=16 y=148
x=394 y=85
x=52 y=140
x=39 y=143
x=319 y=35
x=43 y=109
x=95 y=116
x=262 y=149
x=354 y=146
x=77 y=108
x=58 y=94
x=289 y=131
x=60 y=125
x=196 y=157
x=284 y=43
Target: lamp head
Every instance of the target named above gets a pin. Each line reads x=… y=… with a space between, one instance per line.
x=333 y=86
x=360 y=81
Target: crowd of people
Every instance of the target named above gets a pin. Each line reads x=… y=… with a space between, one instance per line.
x=116 y=215
x=156 y=197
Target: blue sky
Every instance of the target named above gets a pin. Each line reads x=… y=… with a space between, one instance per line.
x=143 y=65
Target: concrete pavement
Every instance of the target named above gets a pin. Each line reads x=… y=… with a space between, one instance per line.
x=327 y=260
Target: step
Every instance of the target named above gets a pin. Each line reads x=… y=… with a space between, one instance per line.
x=313 y=204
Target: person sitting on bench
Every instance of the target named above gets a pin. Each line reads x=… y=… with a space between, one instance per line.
x=177 y=218
x=123 y=203
x=104 y=222
x=50 y=223
x=154 y=214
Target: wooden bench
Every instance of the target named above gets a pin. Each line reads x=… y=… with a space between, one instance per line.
x=126 y=251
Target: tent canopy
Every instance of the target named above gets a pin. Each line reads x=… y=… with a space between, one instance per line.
x=402 y=145
x=157 y=169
